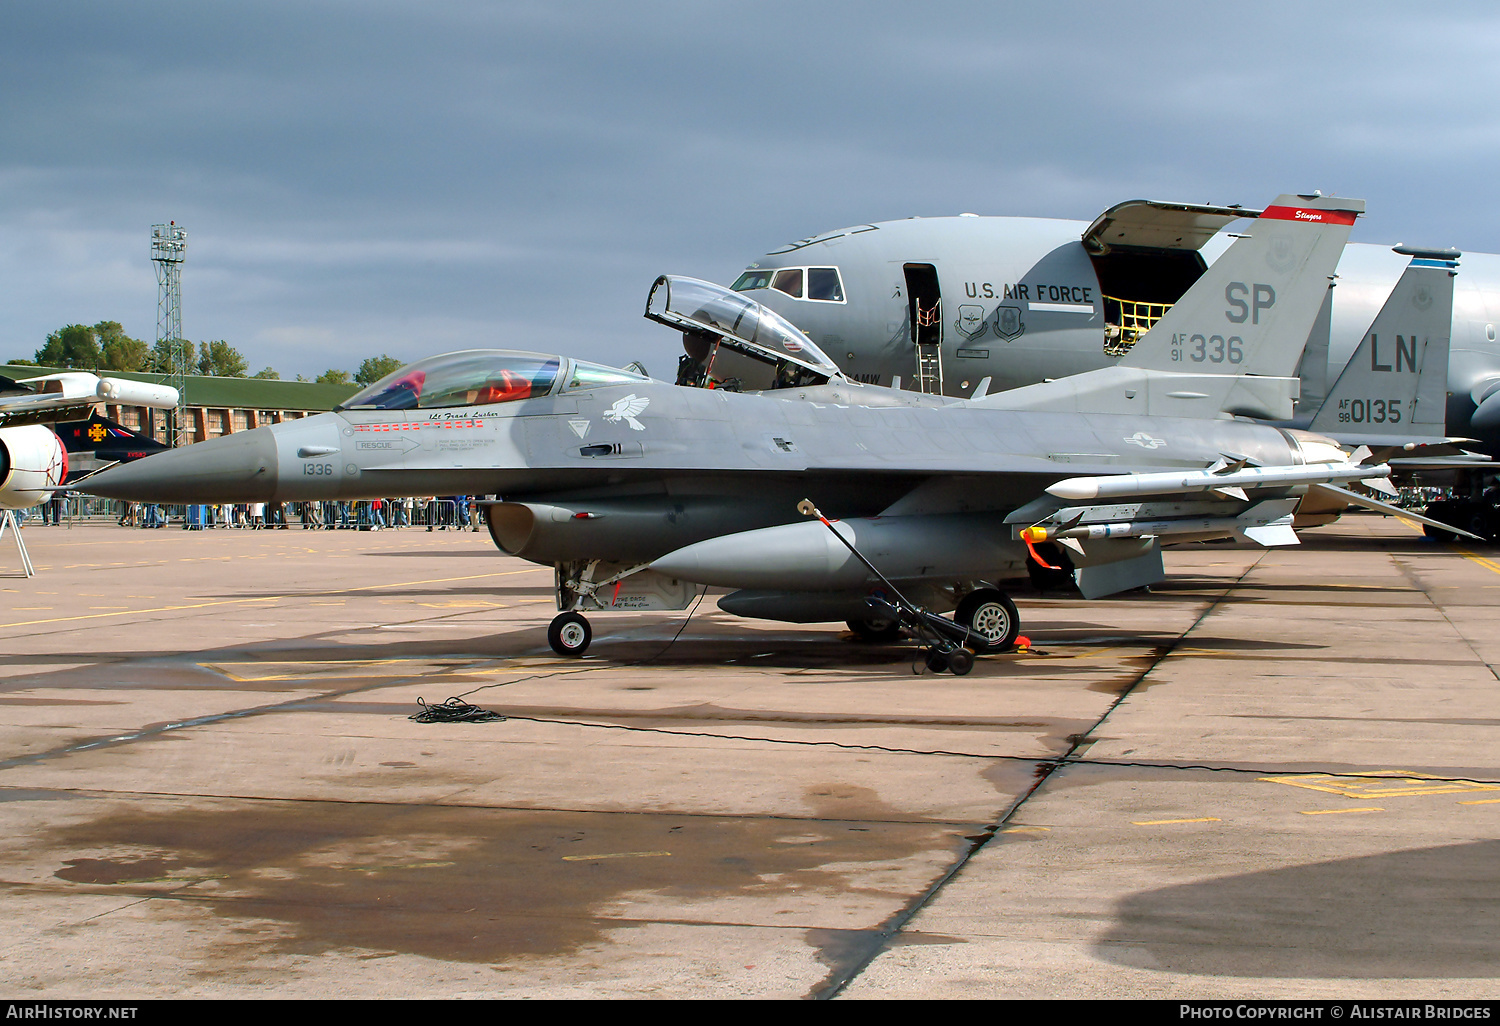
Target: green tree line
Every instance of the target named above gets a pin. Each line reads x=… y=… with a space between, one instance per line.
x=106 y=347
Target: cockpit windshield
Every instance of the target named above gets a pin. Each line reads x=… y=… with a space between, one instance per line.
x=475 y=377
x=592 y=375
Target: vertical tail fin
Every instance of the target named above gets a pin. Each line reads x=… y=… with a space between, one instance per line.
x=1394 y=388
x=1312 y=369
x=1231 y=345
x=1251 y=312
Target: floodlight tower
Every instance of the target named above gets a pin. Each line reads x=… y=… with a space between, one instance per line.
x=168 y=251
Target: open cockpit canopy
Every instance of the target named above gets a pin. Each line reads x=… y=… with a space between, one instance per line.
x=732 y=341
x=481 y=377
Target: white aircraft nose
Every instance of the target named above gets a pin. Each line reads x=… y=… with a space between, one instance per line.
x=235 y=468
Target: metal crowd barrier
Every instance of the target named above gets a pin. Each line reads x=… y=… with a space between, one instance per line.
x=353 y=515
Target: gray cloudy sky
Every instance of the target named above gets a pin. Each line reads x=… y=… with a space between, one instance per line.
x=368 y=177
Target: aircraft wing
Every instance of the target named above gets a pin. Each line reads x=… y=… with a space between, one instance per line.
x=41 y=398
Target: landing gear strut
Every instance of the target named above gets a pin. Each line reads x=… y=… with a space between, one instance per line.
x=569 y=634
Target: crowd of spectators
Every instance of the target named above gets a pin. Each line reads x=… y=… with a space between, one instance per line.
x=436 y=513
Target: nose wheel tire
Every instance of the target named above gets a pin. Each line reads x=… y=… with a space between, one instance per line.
x=569 y=634
x=991 y=615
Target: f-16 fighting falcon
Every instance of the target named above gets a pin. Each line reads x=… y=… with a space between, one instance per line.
x=641 y=493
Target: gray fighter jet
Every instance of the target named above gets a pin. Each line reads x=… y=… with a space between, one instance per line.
x=641 y=493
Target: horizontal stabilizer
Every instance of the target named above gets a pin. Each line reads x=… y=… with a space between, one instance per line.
x=1354 y=498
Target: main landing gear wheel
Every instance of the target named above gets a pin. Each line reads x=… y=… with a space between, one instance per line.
x=991 y=615
x=569 y=634
x=875 y=630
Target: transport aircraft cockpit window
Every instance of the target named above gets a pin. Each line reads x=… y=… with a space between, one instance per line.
x=790 y=282
x=753 y=280
x=823 y=283
x=477 y=377
x=818 y=283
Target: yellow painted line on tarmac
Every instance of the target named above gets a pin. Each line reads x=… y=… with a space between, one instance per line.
x=1026 y=830
x=1167 y=822
x=445 y=580
x=263 y=598
x=1336 y=812
x=157 y=609
x=1482 y=801
x=1381 y=784
x=463 y=604
x=616 y=855
x=1488 y=564
x=351 y=664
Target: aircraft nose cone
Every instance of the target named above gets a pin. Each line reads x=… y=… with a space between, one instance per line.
x=235 y=468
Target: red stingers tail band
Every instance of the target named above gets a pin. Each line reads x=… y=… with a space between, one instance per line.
x=1309 y=215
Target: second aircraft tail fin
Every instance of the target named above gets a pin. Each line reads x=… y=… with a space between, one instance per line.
x=1394 y=388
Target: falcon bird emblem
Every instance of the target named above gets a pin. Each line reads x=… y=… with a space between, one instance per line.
x=626 y=409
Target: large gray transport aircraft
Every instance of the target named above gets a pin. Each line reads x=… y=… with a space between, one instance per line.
x=951 y=305
x=947 y=304
x=819 y=498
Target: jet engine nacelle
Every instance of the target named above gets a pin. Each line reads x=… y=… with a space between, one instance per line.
x=32 y=464
x=1316 y=507
x=628 y=530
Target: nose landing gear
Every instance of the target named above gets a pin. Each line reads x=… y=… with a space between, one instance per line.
x=569 y=634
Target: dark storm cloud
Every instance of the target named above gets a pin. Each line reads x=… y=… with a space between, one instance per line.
x=367 y=177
